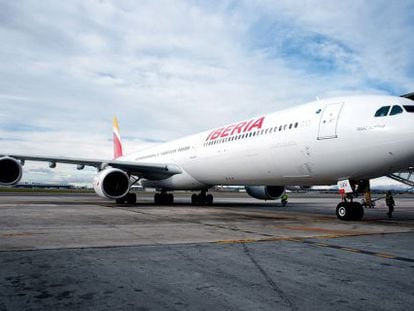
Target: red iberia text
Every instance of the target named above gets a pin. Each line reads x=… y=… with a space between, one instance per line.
x=238 y=128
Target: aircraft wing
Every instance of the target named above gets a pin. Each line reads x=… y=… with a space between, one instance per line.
x=140 y=169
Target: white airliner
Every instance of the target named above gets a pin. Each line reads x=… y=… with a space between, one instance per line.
x=349 y=140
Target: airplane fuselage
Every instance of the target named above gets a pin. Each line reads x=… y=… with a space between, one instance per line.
x=317 y=143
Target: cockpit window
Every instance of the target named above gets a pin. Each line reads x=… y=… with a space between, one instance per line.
x=395 y=110
x=409 y=108
x=383 y=111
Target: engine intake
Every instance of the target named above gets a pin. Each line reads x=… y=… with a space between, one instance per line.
x=265 y=192
x=111 y=183
x=10 y=171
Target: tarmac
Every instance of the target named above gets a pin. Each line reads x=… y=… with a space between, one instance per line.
x=80 y=252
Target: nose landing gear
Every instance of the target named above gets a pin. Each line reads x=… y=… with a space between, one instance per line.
x=349 y=211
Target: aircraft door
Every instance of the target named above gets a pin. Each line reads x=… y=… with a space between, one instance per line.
x=193 y=152
x=329 y=121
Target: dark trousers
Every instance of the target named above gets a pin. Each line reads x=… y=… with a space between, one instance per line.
x=390 y=210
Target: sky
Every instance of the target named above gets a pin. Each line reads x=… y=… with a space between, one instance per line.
x=173 y=68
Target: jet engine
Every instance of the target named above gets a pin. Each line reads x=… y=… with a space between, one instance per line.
x=265 y=192
x=10 y=171
x=111 y=183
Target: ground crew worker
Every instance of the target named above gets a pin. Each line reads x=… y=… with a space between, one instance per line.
x=389 y=200
x=367 y=199
x=284 y=199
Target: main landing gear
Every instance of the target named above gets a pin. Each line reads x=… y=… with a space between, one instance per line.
x=129 y=198
x=163 y=198
x=202 y=199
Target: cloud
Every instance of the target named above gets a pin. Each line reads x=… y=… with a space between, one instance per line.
x=169 y=69
x=376 y=35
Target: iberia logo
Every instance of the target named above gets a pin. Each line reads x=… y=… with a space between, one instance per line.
x=237 y=128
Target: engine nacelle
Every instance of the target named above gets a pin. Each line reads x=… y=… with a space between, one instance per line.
x=111 y=183
x=265 y=192
x=10 y=171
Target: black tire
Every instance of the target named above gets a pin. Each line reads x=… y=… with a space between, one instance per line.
x=131 y=198
x=209 y=199
x=170 y=198
x=358 y=211
x=194 y=199
x=157 y=198
x=120 y=200
x=163 y=198
x=343 y=211
x=202 y=199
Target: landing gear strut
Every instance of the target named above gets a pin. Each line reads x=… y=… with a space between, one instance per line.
x=163 y=198
x=202 y=199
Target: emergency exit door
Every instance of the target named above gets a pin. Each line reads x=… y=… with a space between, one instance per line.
x=329 y=121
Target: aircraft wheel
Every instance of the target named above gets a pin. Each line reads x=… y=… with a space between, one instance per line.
x=131 y=198
x=157 y=198
x=163 y=198
x=120 y=200
x=209 y=199
x=194 y=199
x=358 y=211
x=170 y=198
x=343 y=211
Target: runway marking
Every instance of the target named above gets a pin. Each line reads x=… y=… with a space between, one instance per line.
x=386 y=256
x=236 y=241
x=13 y=234
x=347 y=249
x=313 y=229
x=320 y=244
x=355 y=250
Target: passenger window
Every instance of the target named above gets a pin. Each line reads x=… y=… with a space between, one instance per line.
x=395 y=110
x=382 y=112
